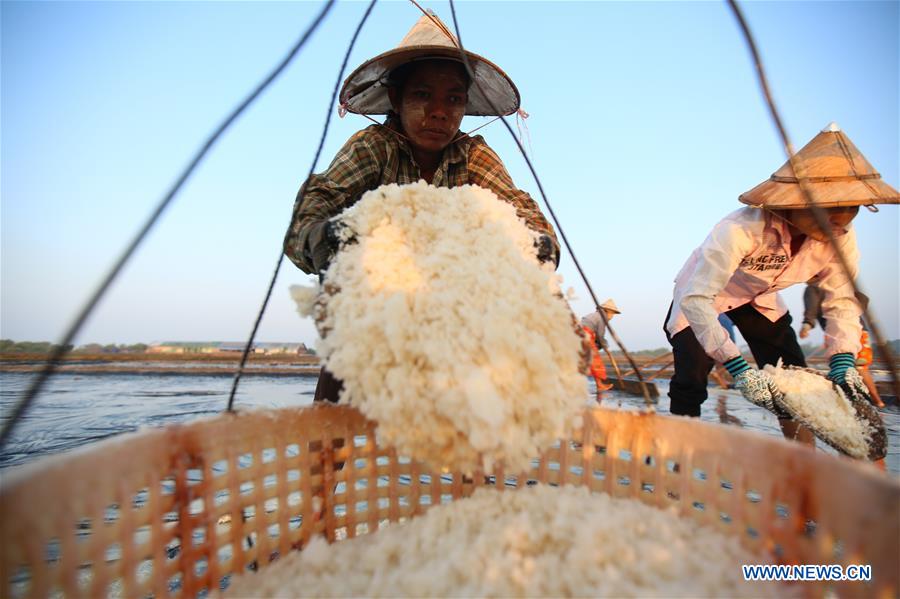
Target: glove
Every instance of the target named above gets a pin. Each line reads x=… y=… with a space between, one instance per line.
x=546 y=250
x=854 y=387
x=324 y=241
x=839 y=365
x=804 y=330
x=756 y=386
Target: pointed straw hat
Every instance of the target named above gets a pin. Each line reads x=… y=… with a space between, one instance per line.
x=835 y=171
x=365 y=90
x=611 y=306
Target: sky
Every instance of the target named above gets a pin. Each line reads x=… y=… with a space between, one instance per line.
x=646 y=123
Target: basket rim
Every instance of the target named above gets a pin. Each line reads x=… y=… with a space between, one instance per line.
x=15 y=476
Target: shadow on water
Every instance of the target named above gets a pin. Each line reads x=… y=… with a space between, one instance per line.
x=173 y=393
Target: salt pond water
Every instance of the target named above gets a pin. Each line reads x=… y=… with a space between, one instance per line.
x=78 y=409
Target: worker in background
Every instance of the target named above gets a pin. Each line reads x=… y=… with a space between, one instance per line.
x=758 y=250
x=595 y=328
x=727 y=325
x=425 y=90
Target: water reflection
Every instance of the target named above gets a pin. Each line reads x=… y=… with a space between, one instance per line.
x=722 y=411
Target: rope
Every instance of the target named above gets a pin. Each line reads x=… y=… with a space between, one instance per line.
x=268 y=296
x=60 y=349
x=481 y=126
x=559 y=228
x=818 y=212
x=386 y=128
x=439 y=25
x=312 y=168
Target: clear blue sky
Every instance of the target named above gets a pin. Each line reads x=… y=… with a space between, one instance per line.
x=646 y=124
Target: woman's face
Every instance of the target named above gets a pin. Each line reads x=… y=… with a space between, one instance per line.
x=431 y=104
x=839 y=219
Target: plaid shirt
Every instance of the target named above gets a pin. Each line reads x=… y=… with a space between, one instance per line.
x=375 y=157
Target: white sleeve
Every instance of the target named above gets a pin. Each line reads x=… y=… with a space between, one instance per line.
x=839 y=307
x=719 y=257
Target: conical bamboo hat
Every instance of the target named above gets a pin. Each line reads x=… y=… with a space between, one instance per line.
x=835 y=171
x=365 y=90
x=611 y=306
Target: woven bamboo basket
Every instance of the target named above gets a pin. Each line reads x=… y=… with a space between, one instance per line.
x=178 y=511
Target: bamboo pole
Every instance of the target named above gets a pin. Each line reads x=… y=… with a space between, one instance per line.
x=616 y=368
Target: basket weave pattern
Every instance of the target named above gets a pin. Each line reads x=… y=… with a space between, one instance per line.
x=176 y=511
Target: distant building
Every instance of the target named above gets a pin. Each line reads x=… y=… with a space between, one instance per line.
x=183 y=347
x=165 y=349
x=282 y=348
x=215 y=347
x=231 y=347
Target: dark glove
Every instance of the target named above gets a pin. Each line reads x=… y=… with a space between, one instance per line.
x=843 y=373
x=324 y=241
x=546 y=250
x=854 y=387
x=857 y=393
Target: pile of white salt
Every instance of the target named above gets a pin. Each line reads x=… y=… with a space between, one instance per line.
x=815 y=401
x=535 y=542
x=446 y=331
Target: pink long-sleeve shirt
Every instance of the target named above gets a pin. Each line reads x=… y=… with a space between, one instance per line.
x=747 y=259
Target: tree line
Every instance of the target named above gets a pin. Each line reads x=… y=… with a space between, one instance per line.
x=8 y=346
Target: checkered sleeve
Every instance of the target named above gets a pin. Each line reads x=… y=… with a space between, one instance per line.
x=487 y=170
x=355 y=169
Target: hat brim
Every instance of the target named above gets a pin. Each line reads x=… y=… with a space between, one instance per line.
x=610 y=306
x=365 y=90
x=830 y=194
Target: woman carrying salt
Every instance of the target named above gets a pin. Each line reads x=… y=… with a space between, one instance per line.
x=424 y=89
x=758 y=250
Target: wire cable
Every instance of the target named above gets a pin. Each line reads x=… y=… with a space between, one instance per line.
x=312 y=168
x=562 y=234
x=61 y=349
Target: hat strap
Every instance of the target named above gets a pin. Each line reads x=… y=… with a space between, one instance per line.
x=475 y=129
x=397 y=133
x=834 y=179
x=344 y=108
